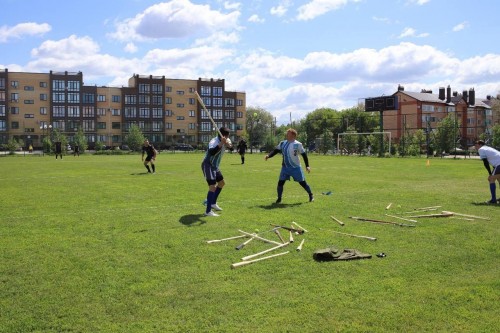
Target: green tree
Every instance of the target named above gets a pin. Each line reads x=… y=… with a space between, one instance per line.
x=317 y=123
x=496 y=136
x=80 y=140
x=12 y=145
x=446 y=134
x=134 y=137
x=259 y=125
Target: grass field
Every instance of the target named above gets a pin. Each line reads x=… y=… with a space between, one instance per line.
x=93 y=244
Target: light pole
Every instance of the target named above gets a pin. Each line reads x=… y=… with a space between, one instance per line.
x=45 y=128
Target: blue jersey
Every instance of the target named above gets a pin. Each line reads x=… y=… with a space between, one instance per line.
x=214 y=160
x=291 y=152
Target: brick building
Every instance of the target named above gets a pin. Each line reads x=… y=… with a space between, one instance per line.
x=167 y=110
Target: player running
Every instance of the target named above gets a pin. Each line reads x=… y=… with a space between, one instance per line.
x=150 y=152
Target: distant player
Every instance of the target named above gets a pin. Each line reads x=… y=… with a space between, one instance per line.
x=58 y=149
x=76 y=150
x=290 y=149
x=242 y=148
x=150 y=152
x=211 y=171
x=490 y=156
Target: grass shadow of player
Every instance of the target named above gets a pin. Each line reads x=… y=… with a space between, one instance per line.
x=279 y=205
x=486 y=204
x=192 y=219
x=140 y=173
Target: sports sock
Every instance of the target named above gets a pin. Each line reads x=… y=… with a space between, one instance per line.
x=216 y=194
x=210 y=201
x=493 y=190
x=280 y=190
x=153 y=166
x=306 y=187
x=147 y=167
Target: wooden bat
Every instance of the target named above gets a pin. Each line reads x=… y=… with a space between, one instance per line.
x=388 y=206
x=428 y=208
x=380 y=221
x=291 y=236
x=434 y=215
x=248 y=262
x=465 y=215
x=352 y=235
x=339 y=222
x=289 y=229
x=259 y=238
x=277 y=232
x=303 y=230
x=242 y=245
x=263 y=252
x=299 y=248
x=224 y=239
x=208 y=113
x=401 y=218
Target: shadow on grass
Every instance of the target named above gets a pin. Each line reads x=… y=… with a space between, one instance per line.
x=279 y=205
x=189 y=220
x=486 y=204
x=140 y=174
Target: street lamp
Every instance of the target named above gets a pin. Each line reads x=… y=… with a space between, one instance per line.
x=45 y=128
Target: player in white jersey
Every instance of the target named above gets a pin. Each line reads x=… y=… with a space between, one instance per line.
x=490 y=156
x=291 y=149
x=211 y=171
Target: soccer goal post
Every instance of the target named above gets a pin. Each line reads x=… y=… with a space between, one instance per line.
x=367 y=133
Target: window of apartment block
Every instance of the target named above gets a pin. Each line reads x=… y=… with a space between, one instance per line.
x=116 y=112
x=29 y=101
x=180 y=92
x=2 y=110
x=29 y=130
x=217 y=102
x=43 y=110
x=44 y=97
x=144 y=99
x=115 y=125
x=2 y=83
x=144 y=88
x=43 y=84
x=239 y=102
x=157 y=126
x=229 y=101
x=73 y=85
x=168 y=100
x=14 y=110
x=3 y=125
x=73 y=97
x=14 y=84
x=239 y=114
x=14 y=125
x=101 y=125
x=14 y=97
x=206 y=90
x=207 y=101
x=143 y=112
x=192 y=126
x=157 y=100
x=168 y=113
x=88 y=111
x=58 y=85
x=115 y=98
x=168 y=125
x=101 y=98
x=74 y=111
x=180 y=117
x=191 y=101
x=192 y=113
x=168 y=89
x=58 y=97
x=217 y=91
x=29 y=115
x=229 y=114
x=88 y=125
x=130 y=99
x=58 y=111
x=130 y=112
x=157 y=88
x=101 y=111
x=157 y=112
x=2 y=96
x=180 y=105
x=217 y=114
x=29 y=88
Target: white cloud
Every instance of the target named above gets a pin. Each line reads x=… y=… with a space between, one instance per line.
x=130 y=48
x=175 y=19
x=23 y=29
x=256 y=19
x=460 y=26
x=419 y=2
x=317 y=8
x=410 y=32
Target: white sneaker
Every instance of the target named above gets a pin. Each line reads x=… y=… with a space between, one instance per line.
x=216 y=207
x=210 y=213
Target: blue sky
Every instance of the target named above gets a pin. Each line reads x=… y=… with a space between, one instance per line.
x=289 y=56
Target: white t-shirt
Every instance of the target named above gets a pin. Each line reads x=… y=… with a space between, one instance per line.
x=491 y=154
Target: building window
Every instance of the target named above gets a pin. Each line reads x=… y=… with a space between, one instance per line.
x=43 y=110
x=168 y=89
x=115 y=125
x=116 y=112
x=239 y=114
x=73 y=98
x=88 y=111
x=58 y=85
x=206 y=91
x=2 y=110
x=168 y=125
x=157 y=113
x=218 y=102
x=144 y=113
x=180 y=117
x=58 y=97
x=2 y=83
x=168 y=113
x=101 y=112
x=180 y=92
x=229 y=102
x=14 y=125
x=229 y=114
x=73 y=85
x=14 y=97
x=217 y=91
x=192 y=113
x=157 y=126
x=29 y=101
x=58 y=111
x=3 y=126
x=168 y=100
x=157 y=88
x=29 y=115
x=239 y=102
x=43 y=84
x=192 y=126
x=115 y=99
x=144 y=99
x=44 y=97
x=88 y=125
x=101 y=98
x=29 y=88
x=130 y=112
x=157 y=100
x=101 y=125
x=130 y=99
x=191 y=101
x=29 y=130
x=14 y=84
x=144 y=88
x=73 y=111
x=180 y=105
x=14 y=110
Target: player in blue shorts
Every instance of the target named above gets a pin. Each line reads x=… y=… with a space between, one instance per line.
x=211 y=171
x=490 y=156
x=290 y=149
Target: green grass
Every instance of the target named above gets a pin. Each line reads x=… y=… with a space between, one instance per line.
x=92 y=244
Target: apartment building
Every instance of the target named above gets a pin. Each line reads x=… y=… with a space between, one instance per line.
x=424 y=110
x=32 y=105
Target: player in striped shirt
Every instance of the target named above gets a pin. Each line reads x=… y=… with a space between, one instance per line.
x=290 y=149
